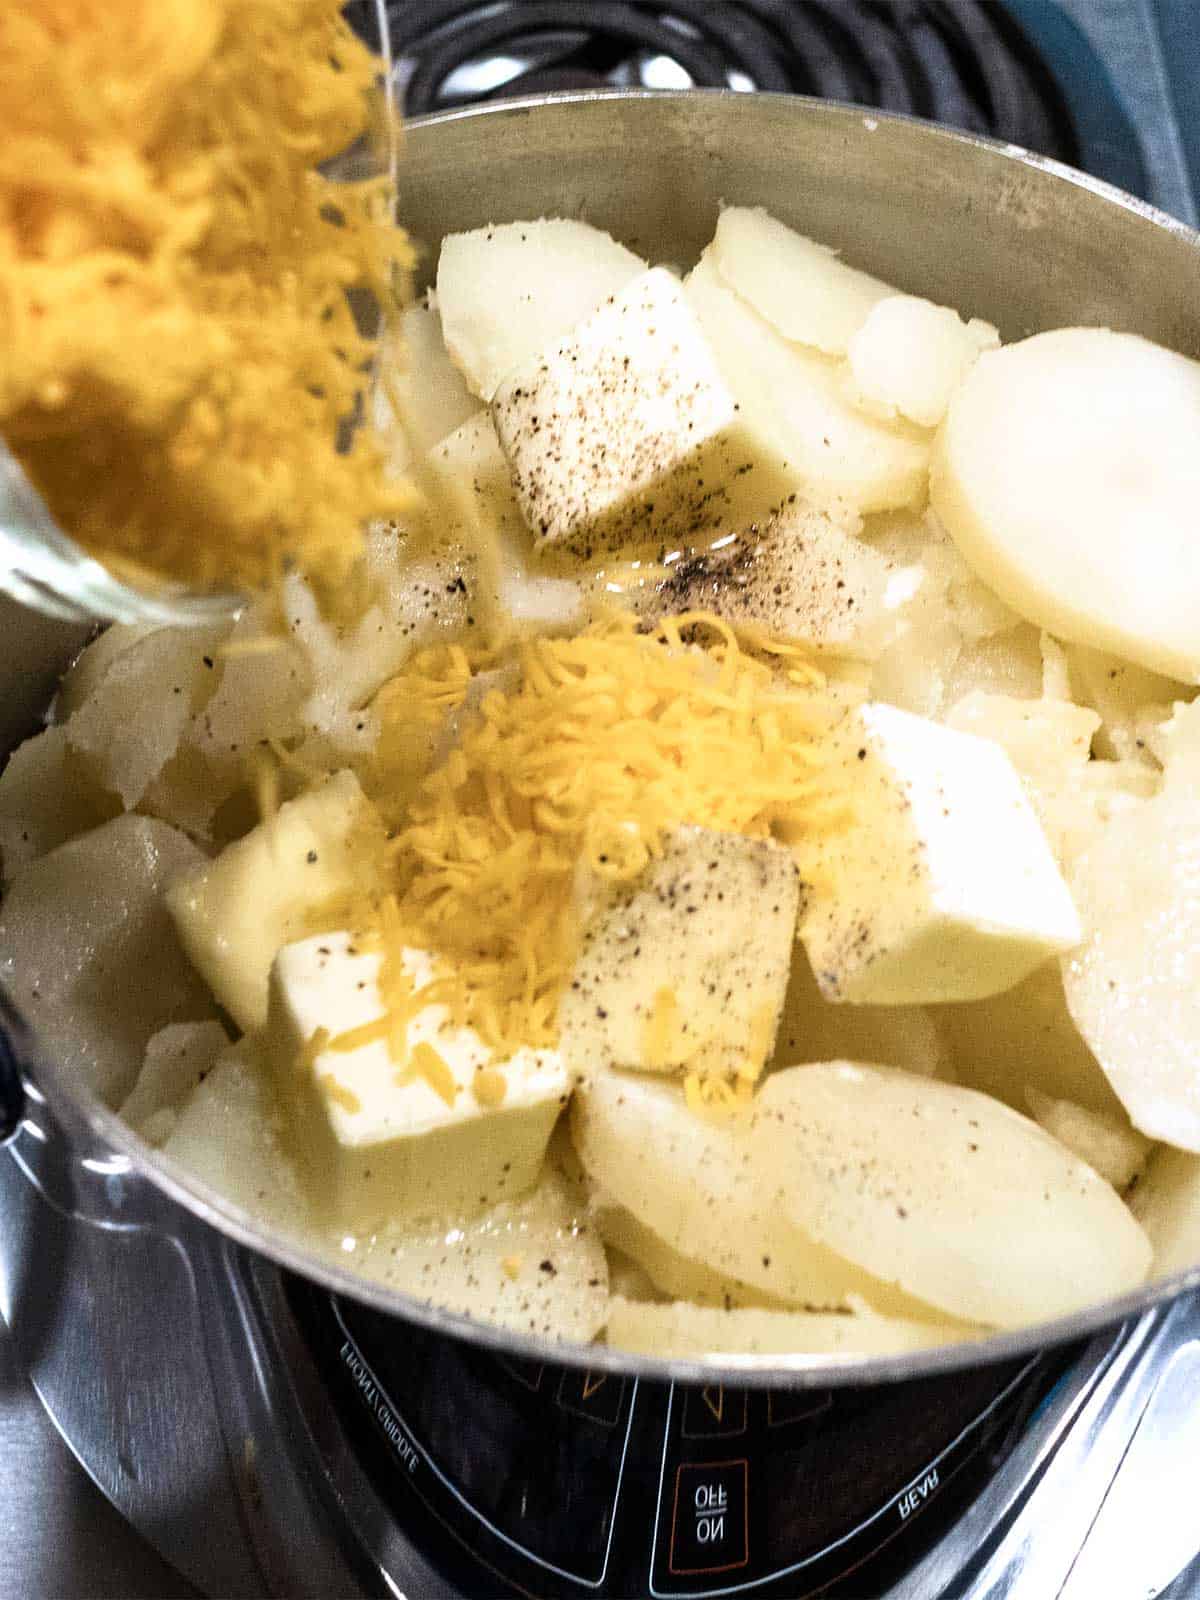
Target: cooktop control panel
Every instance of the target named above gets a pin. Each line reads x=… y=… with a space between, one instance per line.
x=527 y=1478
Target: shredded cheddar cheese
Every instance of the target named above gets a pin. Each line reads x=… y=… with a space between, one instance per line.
x=661 y=1030
x=339 y=1094
x=428 y=1064
x=607 y=740
x=179 y=346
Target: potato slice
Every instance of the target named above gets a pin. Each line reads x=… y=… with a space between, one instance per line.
x=85 y=674
x=417 y=375
x=131 y=723
x=1106 y=1142
x=1024 y=1037
x=799 y=286
x=535 y=1265
x=508 y=290
x=793 y=398
x=88 y=952
x=945 y=1192
x=910 y=355
x=1133 y=986
x=683 y=1330
x=672 y=1274
x=694 y=1182
x=47 y=796
x=1068 y=474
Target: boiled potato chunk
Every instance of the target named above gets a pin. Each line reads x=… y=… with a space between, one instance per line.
x=1166 y=1201
x=229 y=1134
x=233 y=914
x=508 y=290
x=792 y=397
x=131 y=723
x=1105 y=1142
x=910 y=355
x=945 y=1192
x=535 y=1265
x=682 y=1330
x=1122 y=694
x=697 y=1184
x=177 y=1059
x=420 y=394
x=1133 y=986
x=88 y=953
x=1024 y=1038
x=47 y=796
x=800 y=287
x=669 y=1272
x=1067 y=471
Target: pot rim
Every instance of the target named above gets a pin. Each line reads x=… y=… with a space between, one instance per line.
x=48 y=1084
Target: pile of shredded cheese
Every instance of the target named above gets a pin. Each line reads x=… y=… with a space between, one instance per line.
x=179 y=350
x=607 y=740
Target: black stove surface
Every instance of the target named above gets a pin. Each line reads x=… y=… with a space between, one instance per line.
x=974 y=64
x=516 y=1478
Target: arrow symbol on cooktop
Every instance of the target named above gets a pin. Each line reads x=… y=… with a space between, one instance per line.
x=714 y=1399
x=592 y=1383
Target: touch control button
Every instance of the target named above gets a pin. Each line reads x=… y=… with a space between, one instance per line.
x=709 y=1528
x=713 y=1412
x=594 y=1395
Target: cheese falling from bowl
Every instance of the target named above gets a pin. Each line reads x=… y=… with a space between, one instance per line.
x=179 y=346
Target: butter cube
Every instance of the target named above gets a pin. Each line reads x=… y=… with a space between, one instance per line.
x=382 y=1139
x=941 y=885
x=685 y=968
x=232 y=914
x=624 y=431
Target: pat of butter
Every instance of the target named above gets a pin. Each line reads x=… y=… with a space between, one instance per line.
x=684 y=968
x=941 y=885
x=625 y=430
x=383 y=1138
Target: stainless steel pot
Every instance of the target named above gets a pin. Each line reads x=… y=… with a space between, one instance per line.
x=969 y=222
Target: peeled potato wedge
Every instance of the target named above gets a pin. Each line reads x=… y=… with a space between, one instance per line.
x=695 y=1184
x=508 y=290
x=683 y=1330
x=910 y=355
x=535 y=1265
x=1166 y=1202
x=950 y=1195
x=1067 y=471
x=1133 y=986
x=801 y=287
x=670 y=1273
x=793 y=396
x=88 y=953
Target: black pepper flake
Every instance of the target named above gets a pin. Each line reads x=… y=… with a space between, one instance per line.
x=311 y=858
